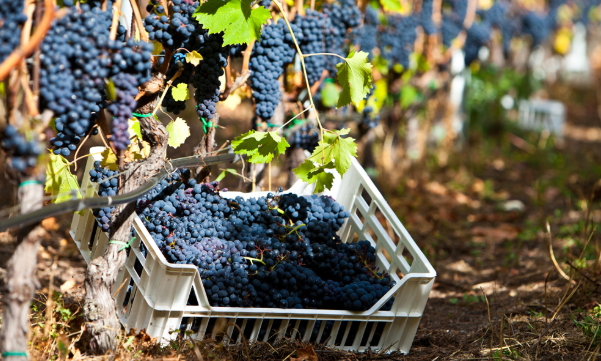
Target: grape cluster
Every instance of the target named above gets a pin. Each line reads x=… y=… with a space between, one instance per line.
x=313 y=26
x=77 y=57
x=265 y=3
x=280 y=250
x=369 y=120
x=22 y=153
x=207 y=73
x=11 y=20
x=366 y=36
x=534 y=24
x=425 y=18
x=398 y=39
x=178 y=62
x=306 y=137
x=478 y=36
x=498 y=16
x=122 y=108
x=344 y=15
x=175 y=30
x=267 y=64
x=108 y=184
x=452 y=22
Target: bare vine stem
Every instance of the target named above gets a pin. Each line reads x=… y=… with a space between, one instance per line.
x=302 y=61
x=301 y=56
x=314 y=54
x=179 y=72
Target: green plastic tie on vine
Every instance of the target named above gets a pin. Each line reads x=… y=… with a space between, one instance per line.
x=14 y=353
x=269 y=125
x=27 y=182
x=138 y=115
x=123 y=244
x=206 y=125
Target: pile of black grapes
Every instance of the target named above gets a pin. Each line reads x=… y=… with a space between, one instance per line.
x=275 y=251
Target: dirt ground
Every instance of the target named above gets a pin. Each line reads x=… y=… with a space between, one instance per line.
x=491 y=223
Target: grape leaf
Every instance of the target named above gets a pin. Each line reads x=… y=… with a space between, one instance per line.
x=224 y=173
x=409 y=95
x=157 y=47
x=311 y=173
x=180 y=92
x=240 y=23
x=335 y=148
x=193 y=58
x=134 y=128
x=60 y=182
x=109 y=159
x=354 y=75
x=260 y=147
x=111 y=92
x=178 y=131
x=136 y=151
x=329 y=94
x=391 y=5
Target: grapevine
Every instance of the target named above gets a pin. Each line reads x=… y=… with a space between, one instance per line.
x=334 y=71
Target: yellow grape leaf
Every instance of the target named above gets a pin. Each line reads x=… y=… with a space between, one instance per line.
x=563 y=41
x=232 y=101
x=392 y=5
x=178 y=131
x=135 y=152
x=485 y=4
x=60 y=182
x=180 y=92
x=157 y=47
x=193 y=58
x=133 y=128
x=109 y=159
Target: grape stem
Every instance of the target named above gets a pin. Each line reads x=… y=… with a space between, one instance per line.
x=302 y=61
x=296 y=116
x=139 y=23
x=15 y=57
x=332 y=54
x=115 y=23
x=81 y=145
x=167 y=86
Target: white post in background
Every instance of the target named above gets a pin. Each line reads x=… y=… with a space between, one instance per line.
x=576 y=67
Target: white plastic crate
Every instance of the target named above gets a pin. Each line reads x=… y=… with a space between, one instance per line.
x=540 y=114
x=160 y=297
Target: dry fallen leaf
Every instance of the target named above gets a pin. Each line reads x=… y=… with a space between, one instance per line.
x=50 y=224
x=305 y=354
x=502 y=232
x=67 y=286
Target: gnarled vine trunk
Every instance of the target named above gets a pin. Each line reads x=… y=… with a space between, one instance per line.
x=100 y=312
x=21 y=281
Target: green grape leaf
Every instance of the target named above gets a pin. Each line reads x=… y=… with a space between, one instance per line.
x=409 y=95
x=224 y=173
x=111 y=92
x=60 y=182
x=329 y=94
x=333 y=147
x=157 y=47
x=109 y=159
x=239 y=22
x=313 y=173
x=180 y=92
x=392 y=5
x=260 y=147
x=178 y=131
x=354 y=75
x=134 y=128
x=194 y=58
